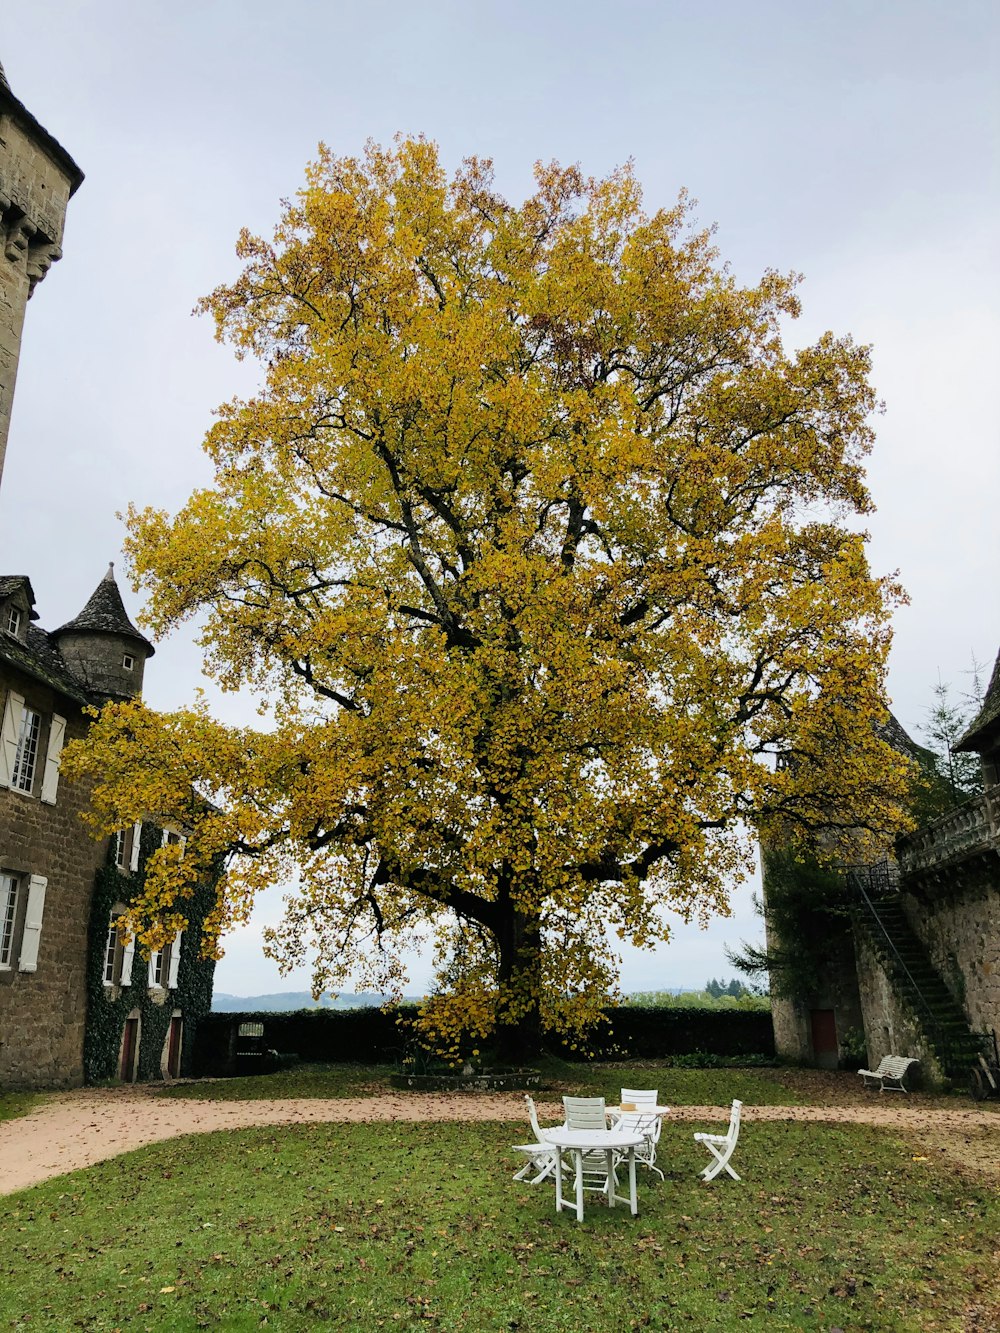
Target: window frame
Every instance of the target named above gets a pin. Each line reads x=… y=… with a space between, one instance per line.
x=26 y=755
x=112 y=954
x=12 y=883
x=123 y=847
x=157 y=968
x=13 y=617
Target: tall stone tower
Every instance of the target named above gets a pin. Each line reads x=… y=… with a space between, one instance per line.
x=37 y=178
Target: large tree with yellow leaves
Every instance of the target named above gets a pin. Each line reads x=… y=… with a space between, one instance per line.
x=536 y=545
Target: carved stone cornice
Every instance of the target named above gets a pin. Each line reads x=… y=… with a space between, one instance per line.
x=25 y=244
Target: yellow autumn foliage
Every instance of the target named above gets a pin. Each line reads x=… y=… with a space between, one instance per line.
x=540 y=548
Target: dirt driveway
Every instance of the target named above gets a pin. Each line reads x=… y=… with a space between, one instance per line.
x=76 y=1129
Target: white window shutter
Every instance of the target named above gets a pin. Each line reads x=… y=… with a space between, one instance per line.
x=28 y=962
x=10 y=735
x=136 y=840
x=175 y=961
x=50 y=781
x=128 y=953
x=151 y=969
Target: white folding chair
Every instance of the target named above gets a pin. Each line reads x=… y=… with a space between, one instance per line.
x=721 y=1145
x=640 y=1097
x=585 y=1113
x=541 y=1154
x=648 y=1125
x=589 y=1113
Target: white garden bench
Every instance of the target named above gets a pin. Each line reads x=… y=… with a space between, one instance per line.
x=892 y=1070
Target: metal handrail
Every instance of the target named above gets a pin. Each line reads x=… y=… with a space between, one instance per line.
x=853 y=876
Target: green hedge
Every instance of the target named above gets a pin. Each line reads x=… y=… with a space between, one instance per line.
x=654 y=1032
x=370 y=1036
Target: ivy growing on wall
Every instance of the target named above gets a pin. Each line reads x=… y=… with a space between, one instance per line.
x=108 y=1007
x=808 y=915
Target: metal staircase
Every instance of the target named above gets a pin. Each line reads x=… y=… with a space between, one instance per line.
x=878 y=911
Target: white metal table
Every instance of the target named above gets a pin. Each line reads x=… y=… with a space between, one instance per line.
x=580 y=1141
x=614 y=1112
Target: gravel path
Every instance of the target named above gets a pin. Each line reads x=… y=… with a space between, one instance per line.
x=77 y=1129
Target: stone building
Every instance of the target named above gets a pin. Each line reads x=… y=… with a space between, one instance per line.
x=75 y=999
x=911 y=962
x=37 y=178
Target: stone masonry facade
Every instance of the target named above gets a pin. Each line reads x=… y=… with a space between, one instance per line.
x=37 y=178
x=76 y=999
x=43 y=1012
x=945 y=901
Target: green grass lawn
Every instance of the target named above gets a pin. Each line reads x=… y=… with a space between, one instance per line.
x=682 y=1087
x=407 y=1226
x=17 y=1103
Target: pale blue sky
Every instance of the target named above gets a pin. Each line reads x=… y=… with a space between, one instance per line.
x=856 y=143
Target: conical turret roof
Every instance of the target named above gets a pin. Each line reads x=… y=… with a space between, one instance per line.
x=105 y=614
x=978 y=733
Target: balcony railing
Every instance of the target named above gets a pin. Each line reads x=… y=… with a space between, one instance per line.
x=972 y=827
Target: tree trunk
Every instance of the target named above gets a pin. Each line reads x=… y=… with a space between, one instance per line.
x=519 y=1020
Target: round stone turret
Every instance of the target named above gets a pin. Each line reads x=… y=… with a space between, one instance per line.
x=101 y=645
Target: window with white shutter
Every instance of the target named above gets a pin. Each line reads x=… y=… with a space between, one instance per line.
x=171 y=838
x=50 y=778
x=9 y=886
x=111 y=954
x=128 y=953
x=136 y=846
x=156 y=968
x=175 y=961
x=10 y=735
x=31 y=936
x=22 y=776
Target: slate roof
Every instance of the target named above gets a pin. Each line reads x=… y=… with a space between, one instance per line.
x=977 y=734
x=40 y=657
x=12 y=583
x=105 y=614
x=895 y=734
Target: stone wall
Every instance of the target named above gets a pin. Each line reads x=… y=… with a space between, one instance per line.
x=43 y=1013
x=960 y=927
x=835 y=988
x=35 y=187
x=890 y=1025
x=97 y=659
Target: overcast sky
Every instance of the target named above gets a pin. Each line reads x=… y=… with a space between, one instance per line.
x=854 y=142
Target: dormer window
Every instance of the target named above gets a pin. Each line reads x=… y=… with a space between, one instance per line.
x=12 y=621
x=128 y=662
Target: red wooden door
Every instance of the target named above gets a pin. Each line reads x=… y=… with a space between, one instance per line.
x=823 y=1023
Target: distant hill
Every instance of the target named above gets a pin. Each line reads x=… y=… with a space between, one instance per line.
x=285 y=1000
x=295 y=999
